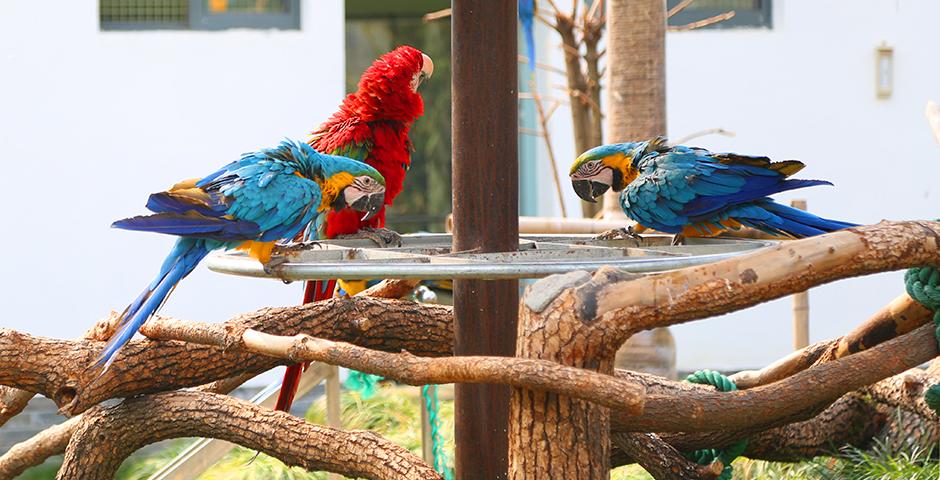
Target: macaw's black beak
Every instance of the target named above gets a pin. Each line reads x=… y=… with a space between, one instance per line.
x=370 y=204
x=588 y=190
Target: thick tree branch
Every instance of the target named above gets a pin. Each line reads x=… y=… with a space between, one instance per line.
x=853 y=420
x=900 y=316
x=697 y=409
x=518 y=372
x=630 y=303
x=56 y=368
x=39 y=447
x=661 y=460
x=109 y=435
x=14 y=400
x=54 y=440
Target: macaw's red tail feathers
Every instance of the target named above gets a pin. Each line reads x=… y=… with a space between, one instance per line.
x=319 y=290
x=289 y=386
x=313 y=292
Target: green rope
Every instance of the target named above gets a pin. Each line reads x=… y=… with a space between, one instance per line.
x=364 y=383
x=923 y=285
x=429 y=393
x=709 y=455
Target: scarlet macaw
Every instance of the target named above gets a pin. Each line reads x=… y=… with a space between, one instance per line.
x=696 y=193
x=248 y=205
x=371 y=125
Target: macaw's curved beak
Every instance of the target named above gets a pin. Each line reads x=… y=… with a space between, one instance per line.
x=370 y=204
x=589 y=190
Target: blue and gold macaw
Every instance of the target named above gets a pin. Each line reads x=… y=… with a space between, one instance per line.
x=248 y=205
x=692 y=192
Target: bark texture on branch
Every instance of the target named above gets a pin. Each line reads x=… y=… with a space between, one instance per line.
x=35 y=450
x=630 y=304
x=54 y=440
x=404 y=367
x=704 y=409
x=109 y=435
x=56 y=368
x=853 y=420
x=661 y=460
x=14 y=400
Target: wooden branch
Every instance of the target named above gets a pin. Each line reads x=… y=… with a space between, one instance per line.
x=534 y=374
x=906 y=391
x=629 y=303
x=109 y=435
x=853 y=420
x=696 y=409
x=38 y=448
x=395 y=288
x=678 y=8
x=14 y=400
x=701 y=23
x=54 y=440
x=900 y=316
x=792 y=363
x=56 y=368
x=661 y=460
x=436 y=15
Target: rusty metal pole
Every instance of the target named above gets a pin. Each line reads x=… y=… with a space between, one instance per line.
x=486 y=218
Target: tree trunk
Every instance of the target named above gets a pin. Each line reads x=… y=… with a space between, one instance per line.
x=636 y=83
x=550 y=435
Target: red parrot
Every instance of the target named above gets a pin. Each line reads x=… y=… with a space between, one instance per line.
x=371 y=126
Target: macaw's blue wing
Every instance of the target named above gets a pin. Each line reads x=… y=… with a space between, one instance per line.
x=691 y=187
x=281 y=206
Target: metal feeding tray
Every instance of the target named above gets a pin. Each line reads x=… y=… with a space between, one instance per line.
x=429 y=257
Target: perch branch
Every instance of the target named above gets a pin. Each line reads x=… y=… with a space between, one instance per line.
x=632 y=303
x=54 y=440
x=661 y=460
x=36 y=449
x=900 y=316
x=783 y=401
x=145 y=366
x=14 y=400
x=535 y=374
x=109 y=435
x=394 y=288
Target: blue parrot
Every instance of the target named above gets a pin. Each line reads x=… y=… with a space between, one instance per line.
x=527 y=18
x=692 y=192
x=248 y=205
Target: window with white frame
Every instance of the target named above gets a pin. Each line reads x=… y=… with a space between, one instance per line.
x=747 y=13
x=198 y=14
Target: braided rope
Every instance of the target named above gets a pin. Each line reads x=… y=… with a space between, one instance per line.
x=923 y=285
x=429 y=393
x=709 y=455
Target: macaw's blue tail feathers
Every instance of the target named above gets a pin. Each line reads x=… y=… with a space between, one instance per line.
x=191 y=224
x=186 y=254
x=780 y=219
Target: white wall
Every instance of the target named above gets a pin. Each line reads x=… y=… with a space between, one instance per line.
x=92 y=122
x=806 y=90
